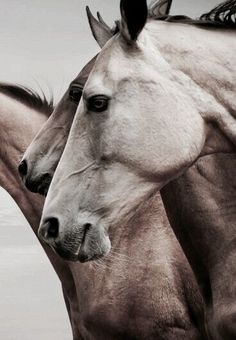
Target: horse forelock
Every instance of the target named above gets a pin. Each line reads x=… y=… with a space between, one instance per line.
x=28 y=97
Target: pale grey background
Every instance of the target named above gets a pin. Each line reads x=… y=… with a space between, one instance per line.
x=44 y=42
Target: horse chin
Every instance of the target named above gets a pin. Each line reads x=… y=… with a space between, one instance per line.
x=43 y=190
x=40 y=185
x=44 y=185
x=87 y=253
x=65 y=254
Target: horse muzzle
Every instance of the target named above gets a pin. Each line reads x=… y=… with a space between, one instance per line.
x=82 y=242
x=36 y=184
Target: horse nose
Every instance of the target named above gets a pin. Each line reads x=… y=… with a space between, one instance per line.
x=39 y=184
x=23 y=168
x=49 y=230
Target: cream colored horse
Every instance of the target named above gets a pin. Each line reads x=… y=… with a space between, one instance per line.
x=124 y=147
x=128 y=147
x=50 y=141
x=112 y=299
x=41 y=157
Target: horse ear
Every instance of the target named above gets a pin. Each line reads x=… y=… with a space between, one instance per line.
x=100 y=19
x=159 y=8
x=133 y=18
x=101 y=32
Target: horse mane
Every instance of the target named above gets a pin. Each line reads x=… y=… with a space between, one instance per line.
x=28 y=97
x=224 y=13
x=222 y=16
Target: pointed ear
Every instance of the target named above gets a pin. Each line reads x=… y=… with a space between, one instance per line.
x=133 y=18
x=159 y=8
x=101 y=32
x=100 y=19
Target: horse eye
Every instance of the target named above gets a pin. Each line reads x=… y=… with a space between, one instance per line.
x=98 y=103
x=75 y=93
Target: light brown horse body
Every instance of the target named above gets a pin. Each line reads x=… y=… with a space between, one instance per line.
x=144 y=290
x=23 y=120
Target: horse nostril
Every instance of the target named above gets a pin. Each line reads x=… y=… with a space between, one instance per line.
x=86 y=228
x=50 y=229
x=53 y=228
x=23 y=168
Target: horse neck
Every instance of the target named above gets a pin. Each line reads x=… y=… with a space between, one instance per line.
x=209 y=64
x=201 y=206
x=209 y=70
x=19 y=124
x=206 y=71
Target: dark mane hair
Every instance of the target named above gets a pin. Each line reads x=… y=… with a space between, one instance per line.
x=28 y=97
x=222 y=16
x=225 y=13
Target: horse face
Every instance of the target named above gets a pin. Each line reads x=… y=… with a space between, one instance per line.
x=42 y=156
x=64 y=232
x=135 y=130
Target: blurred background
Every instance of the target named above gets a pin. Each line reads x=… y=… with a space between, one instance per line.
x=44 y=44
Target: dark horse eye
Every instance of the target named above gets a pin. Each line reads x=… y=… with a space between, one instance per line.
x=98 y=103
x=75 y=93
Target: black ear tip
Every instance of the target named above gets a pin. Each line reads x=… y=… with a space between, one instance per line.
x=89 y=13
x=90 y=16
x=133 y=4
x=135 y=16
x=88 y=10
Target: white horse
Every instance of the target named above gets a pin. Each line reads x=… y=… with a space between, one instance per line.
x=42 y=156
x=49 y=142
x=110 y=299
x=122 y=148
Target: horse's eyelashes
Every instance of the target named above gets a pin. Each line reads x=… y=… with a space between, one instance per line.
x=98 y=103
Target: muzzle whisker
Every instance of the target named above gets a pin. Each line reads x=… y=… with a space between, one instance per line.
x=121 y=256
